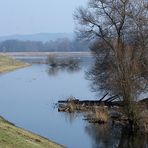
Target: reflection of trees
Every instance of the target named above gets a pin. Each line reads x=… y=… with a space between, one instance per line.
x=103 y=136
x=137 y=140
x=70 y=117
x=53 y=71
x=107 y=136
x=71 y=68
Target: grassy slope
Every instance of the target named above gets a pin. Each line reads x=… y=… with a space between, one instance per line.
x=8 y=64
x=12 y=136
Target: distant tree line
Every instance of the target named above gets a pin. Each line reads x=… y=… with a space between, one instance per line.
x=62 y=44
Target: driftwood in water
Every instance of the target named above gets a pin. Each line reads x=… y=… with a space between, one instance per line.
x=103 y=97
x=145 y=100
x=101 y=111
x=92 y=102
x=112 y=98
x=108 y=102
x=73 y=104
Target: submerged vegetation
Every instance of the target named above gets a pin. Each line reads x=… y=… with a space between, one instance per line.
x=8 y=64
x=14 y=137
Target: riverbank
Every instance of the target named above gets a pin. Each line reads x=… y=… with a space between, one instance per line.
x=15 y=137
x=8 y=64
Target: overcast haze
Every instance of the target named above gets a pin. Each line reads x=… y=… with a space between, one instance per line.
x=35 y=16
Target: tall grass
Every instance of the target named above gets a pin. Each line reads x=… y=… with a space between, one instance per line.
x=8 y=64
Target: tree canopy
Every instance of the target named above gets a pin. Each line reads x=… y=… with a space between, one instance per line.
x=118 y=30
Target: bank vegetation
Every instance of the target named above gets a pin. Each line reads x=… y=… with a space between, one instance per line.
x=8 y=64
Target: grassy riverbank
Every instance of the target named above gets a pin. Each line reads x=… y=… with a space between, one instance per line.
x=14 y=137
x=8 y=64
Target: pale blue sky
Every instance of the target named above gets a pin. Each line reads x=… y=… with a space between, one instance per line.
x=34 y=16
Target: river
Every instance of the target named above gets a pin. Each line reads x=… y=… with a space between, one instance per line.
x=28 y=97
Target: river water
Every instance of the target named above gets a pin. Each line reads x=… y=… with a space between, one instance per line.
x=28 y=97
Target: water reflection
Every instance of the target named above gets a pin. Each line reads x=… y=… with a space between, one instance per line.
x=54 y=70
x=111 y=136
x=69 y=117
x=129 y=140
x=39 y=97
x=103 y=136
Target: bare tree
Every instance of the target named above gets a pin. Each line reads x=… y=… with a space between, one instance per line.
x=119 y=31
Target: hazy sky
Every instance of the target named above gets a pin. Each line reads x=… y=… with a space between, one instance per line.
x=34 y=16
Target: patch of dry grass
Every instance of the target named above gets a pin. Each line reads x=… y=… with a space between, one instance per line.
x=100 y=114
x=7 y=64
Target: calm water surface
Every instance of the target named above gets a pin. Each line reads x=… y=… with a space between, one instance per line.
x=27 y=98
